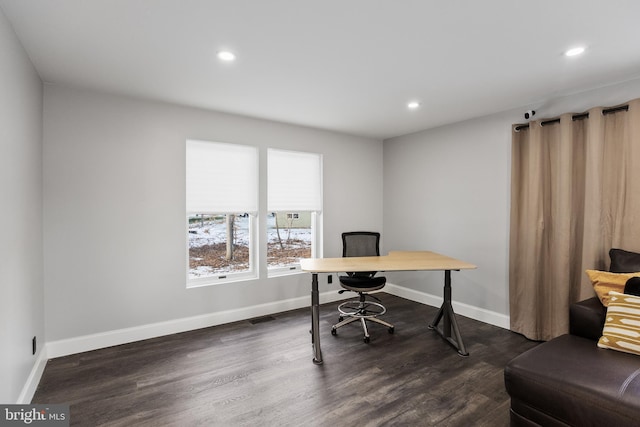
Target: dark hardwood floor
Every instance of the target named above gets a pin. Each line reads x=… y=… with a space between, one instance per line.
x=261 y=374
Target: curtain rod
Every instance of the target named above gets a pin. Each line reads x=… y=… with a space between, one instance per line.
x=575 y=117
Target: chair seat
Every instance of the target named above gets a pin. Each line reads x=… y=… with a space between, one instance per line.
x=362 y=284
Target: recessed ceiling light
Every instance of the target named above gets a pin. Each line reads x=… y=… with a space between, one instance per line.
x=225 y=55
x=574 y=51
x=413 y=105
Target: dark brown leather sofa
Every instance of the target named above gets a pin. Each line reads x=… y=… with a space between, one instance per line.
x=570 y=381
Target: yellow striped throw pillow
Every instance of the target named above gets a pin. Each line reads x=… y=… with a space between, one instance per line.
x=622 y=327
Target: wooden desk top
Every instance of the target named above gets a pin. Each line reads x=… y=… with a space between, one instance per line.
x=395 y=261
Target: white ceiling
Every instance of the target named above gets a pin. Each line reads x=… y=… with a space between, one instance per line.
x=345 y=65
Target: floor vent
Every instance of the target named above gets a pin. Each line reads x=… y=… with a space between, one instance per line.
x=261 y=319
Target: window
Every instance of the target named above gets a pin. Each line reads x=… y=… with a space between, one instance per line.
x=294 y=206
x=221 y=205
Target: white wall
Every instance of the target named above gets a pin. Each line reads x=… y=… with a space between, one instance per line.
x=447 y=190
x=114 y=221
x=21 y=285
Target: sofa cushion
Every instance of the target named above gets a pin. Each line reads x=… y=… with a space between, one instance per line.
x=621 y=330
x=571 y=380
x=586 y=318
x=605 y=282
x=624 y=261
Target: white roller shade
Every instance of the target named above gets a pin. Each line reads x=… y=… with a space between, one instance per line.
x=294 y=181
x=221 y=178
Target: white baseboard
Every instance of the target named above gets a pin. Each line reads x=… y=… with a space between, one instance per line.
x=122 y=336
x=33 y=380
x=481 y=314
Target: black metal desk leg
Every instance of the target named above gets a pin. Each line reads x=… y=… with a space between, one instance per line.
x=315 y=320
x=449 y=324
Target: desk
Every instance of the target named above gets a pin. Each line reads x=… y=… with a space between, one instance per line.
x=395 y=261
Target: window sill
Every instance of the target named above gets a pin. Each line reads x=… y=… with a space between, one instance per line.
x=285 y=271
x=212 y=281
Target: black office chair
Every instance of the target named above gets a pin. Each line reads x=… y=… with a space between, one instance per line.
x=354 y=244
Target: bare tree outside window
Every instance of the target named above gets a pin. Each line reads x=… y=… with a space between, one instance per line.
x=289 y=238
x=218 y=244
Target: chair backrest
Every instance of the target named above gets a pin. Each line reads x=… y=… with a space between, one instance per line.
x=361 y=243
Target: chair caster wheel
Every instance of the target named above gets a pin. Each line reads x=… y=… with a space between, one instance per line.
x=391 y=330
x=340 y=319
x=334 y=332
x=366 y=340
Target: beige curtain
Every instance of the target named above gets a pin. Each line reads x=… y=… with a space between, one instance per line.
x=575 y=193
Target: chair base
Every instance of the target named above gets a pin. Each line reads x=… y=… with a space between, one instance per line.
x=364 y=311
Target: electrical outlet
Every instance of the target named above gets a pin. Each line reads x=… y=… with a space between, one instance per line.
x=330 y=279
x=33 y=345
